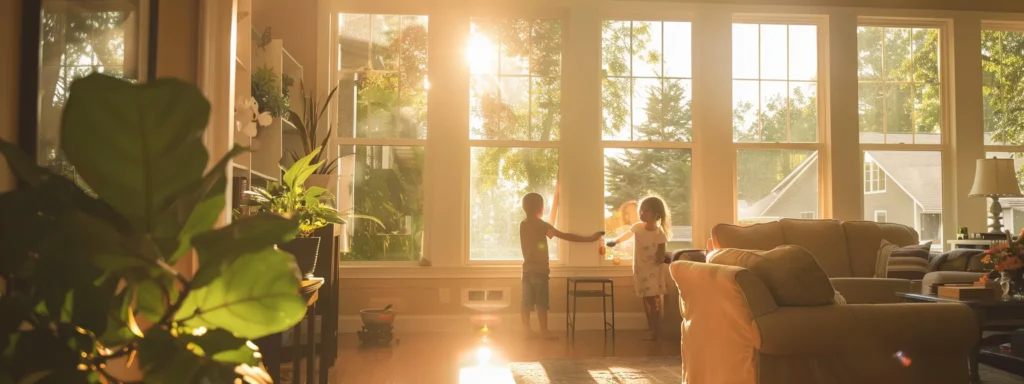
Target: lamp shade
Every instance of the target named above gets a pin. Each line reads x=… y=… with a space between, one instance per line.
x=995 y=178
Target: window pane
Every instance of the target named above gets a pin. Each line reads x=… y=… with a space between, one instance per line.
x=773 y=184
x=383 y=80
x=909 y=191
x=782 y=106
x=631 y=175
x=652 y=100
x=900 y=87
x=385 y=182
x=1003 y=86
x=1013 y=207
x=499 y=177
x=76 y=41
x=516 y=96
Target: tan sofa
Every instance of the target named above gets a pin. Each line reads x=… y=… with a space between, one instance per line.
x=734 y=331
x=847 y=251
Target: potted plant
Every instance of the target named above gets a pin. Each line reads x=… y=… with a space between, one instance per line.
x=308 y=125
x=311 y=206
x=91 y=292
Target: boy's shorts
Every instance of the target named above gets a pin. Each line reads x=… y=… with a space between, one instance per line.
x=535 y=292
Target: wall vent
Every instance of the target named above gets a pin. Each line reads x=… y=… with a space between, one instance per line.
x=486 y=299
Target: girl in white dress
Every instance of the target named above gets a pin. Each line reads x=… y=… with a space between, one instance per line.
x=649 y=238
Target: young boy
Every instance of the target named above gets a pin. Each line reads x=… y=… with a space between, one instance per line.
x=533 y=237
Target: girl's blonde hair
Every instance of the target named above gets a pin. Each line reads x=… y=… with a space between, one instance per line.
x=661 y=213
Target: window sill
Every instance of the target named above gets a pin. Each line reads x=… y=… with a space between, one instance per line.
x=405 y=271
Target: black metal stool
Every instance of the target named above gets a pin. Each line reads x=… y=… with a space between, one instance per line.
x=572 y=289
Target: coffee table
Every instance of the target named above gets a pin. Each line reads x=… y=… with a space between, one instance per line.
x=992 y=315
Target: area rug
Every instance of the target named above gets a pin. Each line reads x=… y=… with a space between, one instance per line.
x=654 y=370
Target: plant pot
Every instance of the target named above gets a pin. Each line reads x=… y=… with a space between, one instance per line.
x=306 y=250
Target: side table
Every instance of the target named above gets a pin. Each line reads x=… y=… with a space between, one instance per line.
x=272 y=346
x=992 y=315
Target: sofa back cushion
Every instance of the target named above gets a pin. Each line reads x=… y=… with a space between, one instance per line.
x=825 y=239
x=790 y=273
x=899 y=234
x=863 y=238
x=762 y=237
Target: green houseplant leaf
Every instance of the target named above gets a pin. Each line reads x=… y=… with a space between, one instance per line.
x=219 y=248
x=136 y=146
x=248 y=306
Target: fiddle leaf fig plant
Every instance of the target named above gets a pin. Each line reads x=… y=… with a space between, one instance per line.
x=92 y=294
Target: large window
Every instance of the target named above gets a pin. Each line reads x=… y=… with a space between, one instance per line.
x=77 y=39
x=901 y=123
x=775 y=120
x=900 y=98
x=646 y=94
x=515 y=113
x=1002 y=54
x=382 y=108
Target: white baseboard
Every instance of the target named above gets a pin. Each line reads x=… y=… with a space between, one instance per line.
x=500 y=322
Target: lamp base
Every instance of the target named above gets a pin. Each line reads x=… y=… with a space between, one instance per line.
x=995 y=211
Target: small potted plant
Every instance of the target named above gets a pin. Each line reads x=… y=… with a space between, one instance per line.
x=311 y=206
x=308 y=124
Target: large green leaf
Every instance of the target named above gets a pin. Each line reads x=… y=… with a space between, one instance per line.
x=118 y=331
x=198 y=210
x=222 y=346
x=22 y=165
x=136 y=146
x=219 y=248
x=255 y=296
x=297 y=174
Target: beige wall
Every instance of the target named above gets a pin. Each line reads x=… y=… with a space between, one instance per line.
x=178 y=40
x=294 y=22
x=10 y=36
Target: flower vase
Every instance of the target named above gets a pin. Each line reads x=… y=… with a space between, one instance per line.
x=1005 y=283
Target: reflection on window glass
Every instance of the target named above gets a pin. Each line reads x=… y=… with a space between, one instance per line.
x=647 y=87
x=1002 y=63
x=914 y=196
x=900 y=87
x=775 y=90
x=384 y=58
x=631 y=175
x=499 y=177
x=773 y=184
x=79 y=38
x=515 y=89
x=386 y=183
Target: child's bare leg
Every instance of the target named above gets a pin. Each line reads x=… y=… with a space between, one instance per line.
x=525 y=315
x=650 y=311
x=656 y=316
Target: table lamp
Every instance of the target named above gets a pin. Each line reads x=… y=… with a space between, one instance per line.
x=995 y=178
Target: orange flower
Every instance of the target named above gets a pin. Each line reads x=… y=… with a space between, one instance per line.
x=987 y=259
x=983 y=278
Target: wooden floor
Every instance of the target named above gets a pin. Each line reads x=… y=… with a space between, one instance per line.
x=437 y=358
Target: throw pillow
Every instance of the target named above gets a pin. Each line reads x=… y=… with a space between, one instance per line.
x=885 y=250
x=920 y=251
x=789 y=272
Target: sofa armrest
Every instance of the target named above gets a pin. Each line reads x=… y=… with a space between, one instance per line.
x=869 y=290
x=853 y=329
x=947 y=277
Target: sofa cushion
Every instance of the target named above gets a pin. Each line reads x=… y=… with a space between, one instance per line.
x=790 y=273
x=885 y=251
x=920 y=251
x=862 y=240
x=764 y=236
x=899 y=234
x=825 y=239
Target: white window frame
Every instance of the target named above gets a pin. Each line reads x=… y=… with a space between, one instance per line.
x=467 y=257
x=882 y=213
x=874 y=177
x=335 y=142
x=647 y=144
x=821 y=145
x=808 y=215
x=943 y=148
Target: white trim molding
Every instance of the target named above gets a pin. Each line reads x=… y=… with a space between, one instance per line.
x=498 y=322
